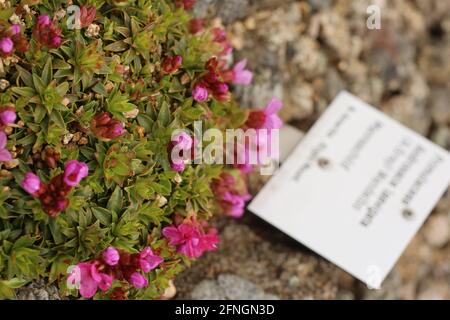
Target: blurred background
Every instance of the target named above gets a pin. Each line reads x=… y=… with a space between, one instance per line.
x=305 y=52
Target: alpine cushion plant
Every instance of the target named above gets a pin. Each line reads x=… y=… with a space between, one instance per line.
x=90 y=197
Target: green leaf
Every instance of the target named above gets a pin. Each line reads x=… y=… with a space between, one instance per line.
x=145 y=121
x=25 y=76
x=24 y=91
x=5 y=14
x=164 y=114
x=115 y=202
x=57 y=118
x=117 y=46
x=38 y=83
x=103 y=215
x=47 y=73
x=61 y=64
x=62 y=88
x=144 y=189
x=193 y=113
x=39 y=113
x=56 y=231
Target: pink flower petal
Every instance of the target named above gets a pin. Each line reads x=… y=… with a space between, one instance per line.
x=240 y=66
x=3 y=140
x=273 y=107
x=5 y=155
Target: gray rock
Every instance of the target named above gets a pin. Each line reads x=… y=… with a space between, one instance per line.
x=439 y=104
x=441 y=136
x=298 y=102
x=406 y=110
x=229 y=11
x=229 y=287
x=38 y=290
x=437 y=230
x=333 y=83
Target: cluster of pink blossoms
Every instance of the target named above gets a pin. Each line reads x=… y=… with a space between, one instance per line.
x=180 y=150
x=192 y=238
x=7 y=116
x=230 y=196
x=47 y=32
x=113 y=265
x=264 y=121
x=105 y=127
x=54 y=195
x=211 y=84
x=215 y=81
x=11 y=39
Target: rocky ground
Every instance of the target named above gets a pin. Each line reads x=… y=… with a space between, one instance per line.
x=305 y=52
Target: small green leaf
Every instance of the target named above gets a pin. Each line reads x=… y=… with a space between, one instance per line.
x=117 y=46
x=103 y=215
x=115 y=202
x=61 y=64
x=164 y=114
x=47 y=73
x=57 y=118
x=24 y=91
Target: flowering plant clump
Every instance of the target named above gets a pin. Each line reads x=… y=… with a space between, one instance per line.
x=91 y=93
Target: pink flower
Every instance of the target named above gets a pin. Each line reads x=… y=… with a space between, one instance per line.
x=107 y=128
x=31 y=183
x=5 y=155
x=234 y=204
x=74 y=172
x=138 y=281
x=149 y=261
x=178 y=149
x=210 y=240
x=231 y=194
x=46 y=32
x=264 y=121
x=7 y=116
x=91 y=279
x=111 y=256
x=183 y=141
x=200 y=93
x=6 y=45
x=196 y=25
x=241 y=75
x=44 y=20
x=178 y=166
x=15 y=28
x=266 y=118
x=61 y=205
x=117 y=129
x=55 y=41
x=220 y=36
x=190 y=239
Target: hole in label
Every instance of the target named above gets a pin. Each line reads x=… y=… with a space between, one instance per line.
x=323 y=163
x=408 y=214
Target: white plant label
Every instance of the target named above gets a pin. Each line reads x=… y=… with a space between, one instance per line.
x=356 y=188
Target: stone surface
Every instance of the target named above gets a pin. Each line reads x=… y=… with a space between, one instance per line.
x=38 y=290
x=229 y=287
